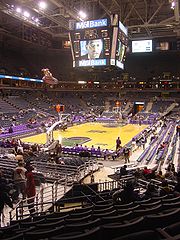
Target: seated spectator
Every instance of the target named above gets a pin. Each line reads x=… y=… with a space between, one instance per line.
x=106 y=154
x=151 y=191
x=171 y=167
x=177 y=186
x=126 y=195
x=169 y=174
x=165 y=189
x=147 y=172
x=160 y=176
x=123 y=170
x=138 y=173
x=92 y=149
x=10 y=129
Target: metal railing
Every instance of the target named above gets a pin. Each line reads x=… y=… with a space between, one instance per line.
x=48 y=194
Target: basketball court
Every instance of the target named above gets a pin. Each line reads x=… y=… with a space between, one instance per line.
x=97 y=134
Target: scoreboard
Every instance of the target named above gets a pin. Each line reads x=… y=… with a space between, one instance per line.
x=101 y=42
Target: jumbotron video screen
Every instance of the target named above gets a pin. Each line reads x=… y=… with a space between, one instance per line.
x=100 y=42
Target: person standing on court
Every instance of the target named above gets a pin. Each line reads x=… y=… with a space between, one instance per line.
x=118 y=144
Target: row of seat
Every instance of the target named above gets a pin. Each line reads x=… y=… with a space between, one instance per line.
x=108 y=218
x=94 y=229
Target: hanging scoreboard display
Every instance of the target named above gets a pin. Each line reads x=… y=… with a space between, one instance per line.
x=97 y=43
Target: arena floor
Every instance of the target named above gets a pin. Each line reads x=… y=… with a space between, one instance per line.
x=97 y=134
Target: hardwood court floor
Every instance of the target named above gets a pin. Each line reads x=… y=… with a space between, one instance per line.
x=101 y=134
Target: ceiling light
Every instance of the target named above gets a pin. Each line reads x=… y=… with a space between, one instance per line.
x=36 y=20
x=42 y=5
x=82 y=14
x=26 y=14
x=18 y=10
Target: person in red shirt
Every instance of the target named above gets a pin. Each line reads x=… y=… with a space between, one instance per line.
x=30 y=189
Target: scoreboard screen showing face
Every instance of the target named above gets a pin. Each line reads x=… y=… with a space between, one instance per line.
x=91 y=44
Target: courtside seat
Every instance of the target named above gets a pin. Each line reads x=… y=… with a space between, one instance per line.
x=30 y=224
x=101 y=210
x=84 y=209
x=162 y=220
x=171 y=205
x=14 y=222
x=143 y=201
x=9 y=229
x=110 y=231
x=42 y=234
x=109 y=201
x=49 y=225
x=116 y=219
x=160 y=197
x=121 y=206
x=102 y=206
x=81 y=214
x=82 y=226
x=147 y=234
x=173 y=229
x=171 y=200
x=16 y=237
x=78 y=220
x=89 y=235
x=151 y=204
x=104 y=214
x=123 y=210
x=143 y=212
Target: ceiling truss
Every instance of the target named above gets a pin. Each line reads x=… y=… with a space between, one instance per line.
x=144 y=18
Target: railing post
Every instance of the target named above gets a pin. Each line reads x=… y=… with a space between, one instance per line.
x=42 y=199
x=56 y=190
x=53 y=193
x=65 y=185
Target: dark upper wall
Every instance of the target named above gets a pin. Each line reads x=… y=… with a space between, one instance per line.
x=145 y=65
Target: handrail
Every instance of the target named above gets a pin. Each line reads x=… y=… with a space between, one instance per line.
x=50 y=192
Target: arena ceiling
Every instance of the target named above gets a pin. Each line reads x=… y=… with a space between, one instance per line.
x=144 y=18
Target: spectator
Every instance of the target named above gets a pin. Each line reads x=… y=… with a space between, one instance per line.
x=126 y=153
x=58 y=149
x=147 y=172
x=127 y=195
x=30 y=189
x=143 y=142
x=160 y=176
x=20 y=179
x=133 y=144
x=4 y=197
x=92 y=178
x=138 y=173
x=10 y=129
x=19 y=156
x=106 y=154
x=165 y=189
x=123 y=170
x=150 y=192
x=118 y=144
x=177 y=186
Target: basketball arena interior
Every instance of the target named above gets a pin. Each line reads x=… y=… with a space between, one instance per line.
x=89 y=119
